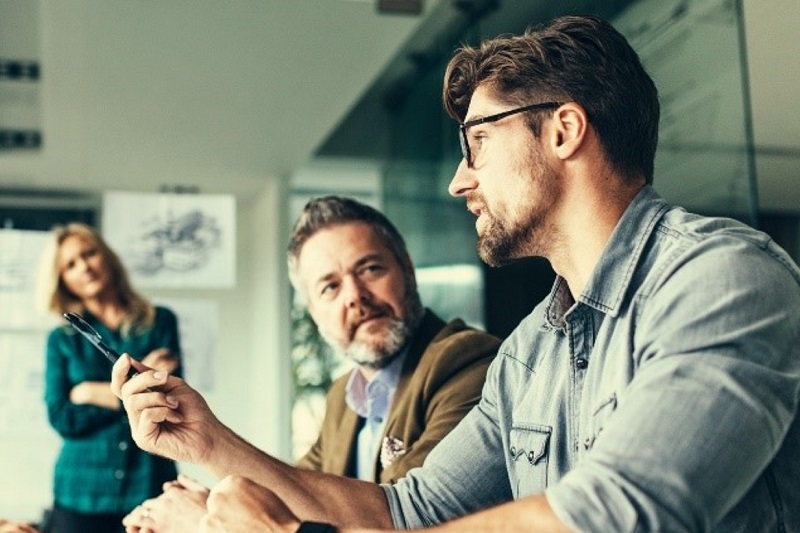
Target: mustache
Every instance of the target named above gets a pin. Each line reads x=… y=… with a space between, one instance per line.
x=365 y=312
x=476 y=200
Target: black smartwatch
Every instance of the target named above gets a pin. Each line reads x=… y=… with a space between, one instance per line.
x=315 y=527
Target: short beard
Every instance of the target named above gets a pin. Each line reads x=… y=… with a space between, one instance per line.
x=499 y=246
x=397 y=334
x=501 y=242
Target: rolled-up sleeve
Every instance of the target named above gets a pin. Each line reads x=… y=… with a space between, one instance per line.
x=464 y=473
x=714 y=392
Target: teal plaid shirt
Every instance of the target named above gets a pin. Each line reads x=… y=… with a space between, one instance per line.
x=100 y=469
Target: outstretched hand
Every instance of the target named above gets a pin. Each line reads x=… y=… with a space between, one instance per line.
x=167 y=416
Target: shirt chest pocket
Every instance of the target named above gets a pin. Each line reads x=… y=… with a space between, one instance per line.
x=527 y=459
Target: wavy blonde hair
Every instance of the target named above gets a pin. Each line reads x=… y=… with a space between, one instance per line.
x=53 y=295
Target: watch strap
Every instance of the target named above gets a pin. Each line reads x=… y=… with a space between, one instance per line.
x=315 y=527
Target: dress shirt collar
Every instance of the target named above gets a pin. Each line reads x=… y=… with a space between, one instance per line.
x=371 y=398
x=612 y=275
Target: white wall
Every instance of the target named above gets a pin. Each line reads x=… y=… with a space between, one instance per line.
x=251 y=369
x=78 y=87
x=251 y=365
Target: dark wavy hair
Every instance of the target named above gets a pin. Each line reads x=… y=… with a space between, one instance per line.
x=572 y=59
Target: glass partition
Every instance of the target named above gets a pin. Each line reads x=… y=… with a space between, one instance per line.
x=692 y=48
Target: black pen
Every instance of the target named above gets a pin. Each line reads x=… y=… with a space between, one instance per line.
x=91 y=334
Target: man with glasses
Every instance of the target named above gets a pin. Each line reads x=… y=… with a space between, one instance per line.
x=655 y=389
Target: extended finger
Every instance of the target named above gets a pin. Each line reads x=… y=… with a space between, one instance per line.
x=147 y=382
x=150 y=419
x=122 y=382
x=119 y=374
x=148 y=399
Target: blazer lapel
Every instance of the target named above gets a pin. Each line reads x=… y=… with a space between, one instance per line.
x=342 y=460
x=430 y=326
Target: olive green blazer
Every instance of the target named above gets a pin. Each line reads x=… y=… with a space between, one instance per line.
x=441 y=381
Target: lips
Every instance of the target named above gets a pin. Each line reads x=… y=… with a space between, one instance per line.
x=90 y=280
x=372 y=314
x=369 y=318
x=475 y=209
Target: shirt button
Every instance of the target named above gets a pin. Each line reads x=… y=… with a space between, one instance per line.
x=119 y=474
x=123 y=446
x=581 y=363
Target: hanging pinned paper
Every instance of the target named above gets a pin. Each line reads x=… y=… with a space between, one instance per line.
x=173 y=240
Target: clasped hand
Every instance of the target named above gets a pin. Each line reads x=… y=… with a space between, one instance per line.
x=178 y=509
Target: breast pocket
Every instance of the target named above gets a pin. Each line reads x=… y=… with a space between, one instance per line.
x=527 y=456
x=601 y=413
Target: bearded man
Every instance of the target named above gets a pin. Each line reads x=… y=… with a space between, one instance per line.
x=415 y=376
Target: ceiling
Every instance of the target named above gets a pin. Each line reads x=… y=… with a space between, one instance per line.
x=136 y=94
x=141 y=94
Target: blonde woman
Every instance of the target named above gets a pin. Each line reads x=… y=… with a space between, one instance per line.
x=100 y=474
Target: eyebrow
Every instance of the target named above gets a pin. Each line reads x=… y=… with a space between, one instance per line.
x=479 y=116
x=476 y=117
x=367 y=258
x=361 y=262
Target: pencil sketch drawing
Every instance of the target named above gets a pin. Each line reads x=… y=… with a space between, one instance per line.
x=183 y=243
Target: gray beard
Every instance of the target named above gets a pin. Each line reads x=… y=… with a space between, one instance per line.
x=362 y=354
x=397 y=334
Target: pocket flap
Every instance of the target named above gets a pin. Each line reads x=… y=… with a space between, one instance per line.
x=530 y=442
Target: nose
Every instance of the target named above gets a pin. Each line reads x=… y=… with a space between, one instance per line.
x=355 y=293
x=81 y=265
x=463 y=180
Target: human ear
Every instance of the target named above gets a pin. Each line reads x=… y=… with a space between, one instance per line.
x=570 y=124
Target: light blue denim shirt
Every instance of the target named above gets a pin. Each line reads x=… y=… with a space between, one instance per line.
x=371 y=400
x=664 y=399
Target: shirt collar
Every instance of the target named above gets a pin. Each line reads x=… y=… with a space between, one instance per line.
x=612 y=275
x=371 y=399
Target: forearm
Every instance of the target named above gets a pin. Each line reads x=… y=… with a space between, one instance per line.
x=529 y=514
x=94 y=393
x=310 y=495
x=532 y=514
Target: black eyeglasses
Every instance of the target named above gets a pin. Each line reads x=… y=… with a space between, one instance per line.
x=462 y=128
